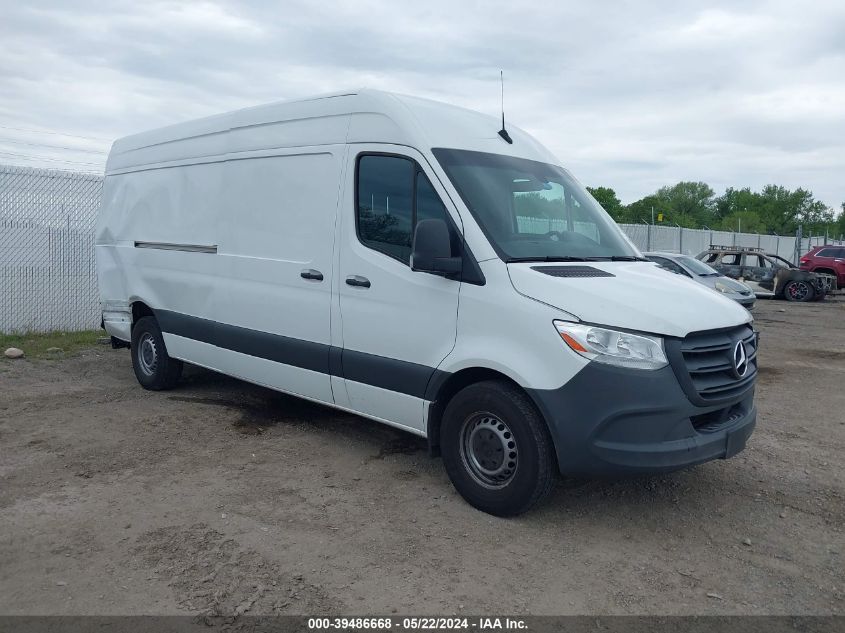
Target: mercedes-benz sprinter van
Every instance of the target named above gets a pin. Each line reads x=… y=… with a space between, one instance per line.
x=401 y=259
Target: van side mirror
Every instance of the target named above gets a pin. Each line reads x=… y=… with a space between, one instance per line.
x=432 y=249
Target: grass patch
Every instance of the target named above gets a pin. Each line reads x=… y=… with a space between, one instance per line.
x=36 y=344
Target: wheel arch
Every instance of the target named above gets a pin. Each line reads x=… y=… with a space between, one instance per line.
x=442 y=390
x=140 y=310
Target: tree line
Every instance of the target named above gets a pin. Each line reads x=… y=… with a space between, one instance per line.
x=774 y=210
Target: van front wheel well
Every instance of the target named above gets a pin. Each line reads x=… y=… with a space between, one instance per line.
x=445 y=392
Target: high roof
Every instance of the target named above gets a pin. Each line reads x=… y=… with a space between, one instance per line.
x=361 y=116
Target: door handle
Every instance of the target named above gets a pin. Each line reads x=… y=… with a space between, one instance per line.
x=358 y=280
x=313 y=275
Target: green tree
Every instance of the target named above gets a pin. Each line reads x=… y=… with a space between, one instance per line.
x=839 y=224
x=640 y=211
x=745 y=221
x=691 y=204
x=734 y=201
x=607 y=198
x=816 y=216
x=774 y=209
x=783 y=210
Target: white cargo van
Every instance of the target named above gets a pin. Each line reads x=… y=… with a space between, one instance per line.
x=400 y=259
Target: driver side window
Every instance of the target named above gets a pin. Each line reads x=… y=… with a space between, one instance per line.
x=393 y=195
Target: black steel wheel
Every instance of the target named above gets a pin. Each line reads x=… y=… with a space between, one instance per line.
x=497 y=449
x=154 y=368
x=488 y=450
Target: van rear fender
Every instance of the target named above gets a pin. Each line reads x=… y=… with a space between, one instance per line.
x=140 y=310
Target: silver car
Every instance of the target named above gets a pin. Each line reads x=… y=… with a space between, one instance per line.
x=703 y=274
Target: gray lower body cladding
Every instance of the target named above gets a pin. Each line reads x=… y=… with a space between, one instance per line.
x=608 y=420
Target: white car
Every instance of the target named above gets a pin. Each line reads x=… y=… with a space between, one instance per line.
x=400 y=259
x=703 y=274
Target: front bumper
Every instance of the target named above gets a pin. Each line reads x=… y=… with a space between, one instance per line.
x=609 y=420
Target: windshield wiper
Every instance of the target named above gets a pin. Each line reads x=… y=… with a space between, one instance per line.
x=549 y=258
x=566 y=258
x=616 y=258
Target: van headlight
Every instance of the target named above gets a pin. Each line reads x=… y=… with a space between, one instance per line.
x=623 y=349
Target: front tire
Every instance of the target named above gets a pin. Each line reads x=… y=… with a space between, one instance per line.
x=798 y=290
x=154 y=368
x=497 y=449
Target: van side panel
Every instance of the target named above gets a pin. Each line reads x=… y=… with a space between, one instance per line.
x=279 y=222
x=173 y=215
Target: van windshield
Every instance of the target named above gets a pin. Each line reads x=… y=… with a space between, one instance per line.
x=533 y=211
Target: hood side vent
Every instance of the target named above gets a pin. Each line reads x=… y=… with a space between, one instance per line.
x=572 y=271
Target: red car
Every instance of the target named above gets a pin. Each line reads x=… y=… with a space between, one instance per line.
x=826 y=259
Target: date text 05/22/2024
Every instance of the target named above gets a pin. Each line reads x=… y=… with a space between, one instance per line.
x=481 y=624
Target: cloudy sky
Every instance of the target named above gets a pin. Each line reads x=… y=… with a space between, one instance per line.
x=630 y=95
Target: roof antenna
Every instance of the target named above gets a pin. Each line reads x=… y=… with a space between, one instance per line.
x=503 y=132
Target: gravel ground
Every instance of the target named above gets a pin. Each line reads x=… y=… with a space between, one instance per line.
x=221 y=497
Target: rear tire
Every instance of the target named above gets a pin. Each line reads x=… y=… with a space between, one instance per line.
x=497 y=449
x=154 y=368
x=799 y=291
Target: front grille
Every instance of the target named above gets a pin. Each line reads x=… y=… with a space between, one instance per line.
x=707 y=364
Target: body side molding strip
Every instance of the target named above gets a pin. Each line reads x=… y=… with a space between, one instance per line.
x=188 y=248
x=377 y=371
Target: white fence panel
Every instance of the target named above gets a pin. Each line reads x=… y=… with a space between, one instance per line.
x=638 y=234
x=693 y=241
x=47 y=274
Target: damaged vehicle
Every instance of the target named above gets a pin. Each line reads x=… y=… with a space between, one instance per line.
x=768 y=275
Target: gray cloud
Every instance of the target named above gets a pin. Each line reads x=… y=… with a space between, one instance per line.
x=628 y=96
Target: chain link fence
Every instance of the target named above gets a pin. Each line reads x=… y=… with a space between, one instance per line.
x=47 y=276
x=674 y=239
x=48 y=279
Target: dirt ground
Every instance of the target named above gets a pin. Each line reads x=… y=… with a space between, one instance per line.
x=221 y=497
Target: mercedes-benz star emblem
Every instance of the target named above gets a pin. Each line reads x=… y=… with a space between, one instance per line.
x=740 y=359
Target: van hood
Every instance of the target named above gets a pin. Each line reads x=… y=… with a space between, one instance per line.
x=630 y=295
